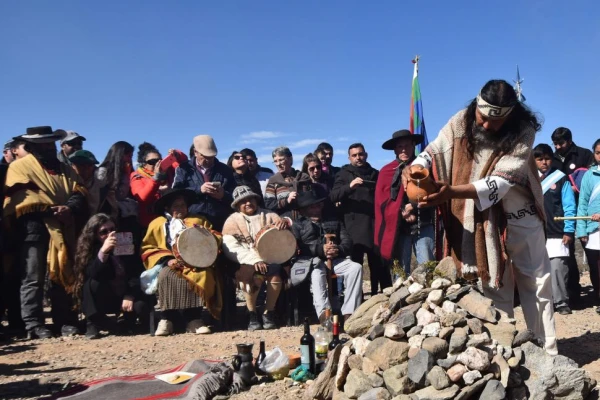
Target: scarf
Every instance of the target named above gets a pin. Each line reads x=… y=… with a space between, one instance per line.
x=202 y=280
x=29 y=189
x=476 y=239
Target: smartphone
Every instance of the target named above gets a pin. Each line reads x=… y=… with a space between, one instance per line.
x=369 y=184
x=124 y=245
x=216 y=184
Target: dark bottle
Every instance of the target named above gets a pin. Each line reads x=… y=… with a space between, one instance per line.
x=336 y=333
x=259 y=358
x=307 y=348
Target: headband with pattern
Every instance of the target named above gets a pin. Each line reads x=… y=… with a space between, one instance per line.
x=490 y=110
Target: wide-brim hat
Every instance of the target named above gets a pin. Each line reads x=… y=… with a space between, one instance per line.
x=40 y=134
x=242 y=193
x=170 y=195
x=391 y=143
x=308 y=195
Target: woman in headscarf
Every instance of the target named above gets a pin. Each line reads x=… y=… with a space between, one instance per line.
x=239 y=232
x=181 y=288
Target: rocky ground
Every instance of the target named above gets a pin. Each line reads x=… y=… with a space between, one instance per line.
x=34 y=368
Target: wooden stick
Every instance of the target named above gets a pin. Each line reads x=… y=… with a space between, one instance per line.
x=329 y=239
x=571 y=218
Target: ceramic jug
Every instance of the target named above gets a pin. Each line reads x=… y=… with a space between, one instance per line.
x=420 y=185
x=242 y=362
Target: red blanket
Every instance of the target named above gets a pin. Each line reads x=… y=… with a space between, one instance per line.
x=387 y=211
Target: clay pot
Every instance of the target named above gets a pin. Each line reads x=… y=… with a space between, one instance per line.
x=420 y=185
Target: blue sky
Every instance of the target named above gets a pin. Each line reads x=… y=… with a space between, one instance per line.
x=268 y=73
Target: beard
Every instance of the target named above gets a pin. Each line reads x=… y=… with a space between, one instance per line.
x=486 y=138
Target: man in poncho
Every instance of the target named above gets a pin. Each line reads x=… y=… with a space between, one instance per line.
x=42 y=195
x=492 y=203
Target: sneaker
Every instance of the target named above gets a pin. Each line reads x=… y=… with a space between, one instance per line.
x=39 y=332
x=69 y=330
x=92 y=331
x=563 y=310
x=197 y=326
x=254 y=323
x=165 y=328
x=268 y=320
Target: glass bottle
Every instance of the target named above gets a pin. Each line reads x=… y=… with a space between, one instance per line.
x=307 y=348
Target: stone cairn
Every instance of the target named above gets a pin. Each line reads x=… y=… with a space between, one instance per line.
x=428 y=337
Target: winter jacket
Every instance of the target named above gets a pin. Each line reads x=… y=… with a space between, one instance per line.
x=358 y=203
x=249 y=180
x=575 y=157
x=188 y=176
x=144 y=189
x=589 y=181
x=311 y=236
x=559 y=201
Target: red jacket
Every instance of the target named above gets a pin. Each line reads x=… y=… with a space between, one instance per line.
x=145 y=192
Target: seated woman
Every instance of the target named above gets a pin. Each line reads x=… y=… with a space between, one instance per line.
x=239 y=232
x=180 y=287
x=104 y=285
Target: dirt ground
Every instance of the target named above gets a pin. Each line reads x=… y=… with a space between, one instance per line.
x=34 y=368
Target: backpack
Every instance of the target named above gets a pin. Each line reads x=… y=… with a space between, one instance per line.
x=575 y=178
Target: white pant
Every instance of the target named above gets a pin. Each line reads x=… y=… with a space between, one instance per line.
x=348 y=270
x=532 y=272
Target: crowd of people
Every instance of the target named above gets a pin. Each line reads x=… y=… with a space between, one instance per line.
x=103 y=238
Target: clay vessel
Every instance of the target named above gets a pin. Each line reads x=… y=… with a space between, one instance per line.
x=242 y=362
x=420 y=185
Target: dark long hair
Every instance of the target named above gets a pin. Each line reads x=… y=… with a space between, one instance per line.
x=87 y=248
x=310 y=157
x=596 y=143
x=501 y=93
x=143 y=150
x=113 y=162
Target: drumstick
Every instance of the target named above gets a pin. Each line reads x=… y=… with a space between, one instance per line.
x=571 y=218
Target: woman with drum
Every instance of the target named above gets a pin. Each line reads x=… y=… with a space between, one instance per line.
x=184 y=247
x=259 y=241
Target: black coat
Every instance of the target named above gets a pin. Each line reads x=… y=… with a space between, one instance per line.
x=575 y=157
x=358 y=203
x=311 y=236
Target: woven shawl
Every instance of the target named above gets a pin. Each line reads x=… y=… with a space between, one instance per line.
x=476 y=239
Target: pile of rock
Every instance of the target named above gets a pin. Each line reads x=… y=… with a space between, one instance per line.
x=428 y=338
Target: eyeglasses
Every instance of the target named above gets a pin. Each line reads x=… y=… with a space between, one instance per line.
x=106 y=231
x=314 y=168
x=238 y=157
x=279 y=161
x=153 y=161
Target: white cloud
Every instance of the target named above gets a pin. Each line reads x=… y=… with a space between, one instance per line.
x=304 y=143
x=265 y=159
x=261 y=136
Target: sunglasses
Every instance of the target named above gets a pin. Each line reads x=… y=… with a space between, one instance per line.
x=314 y=168
x=152 y=161
x=106 y=231
x=238 y=157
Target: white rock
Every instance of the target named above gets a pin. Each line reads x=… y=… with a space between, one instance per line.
x=432 y=329
x=440 y=283
x=359 y=344
x=474 y=358
x=425 y=317
x=378 y=314
x=507 y=352
x=471 y=376
x=393 y=332
x=398 y=283
x=453 y=288
x=449 y=306
x=438 y=311
x=415 y=287
x=388 y=291
x=435 y=296
x=416 y=341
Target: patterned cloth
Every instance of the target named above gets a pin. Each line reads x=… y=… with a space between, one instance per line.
x=175 y=292
x=476 y=229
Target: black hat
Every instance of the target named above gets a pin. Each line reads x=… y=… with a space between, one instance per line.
x=308 y=195
x=391 y=143
x=170 y=195
x=40 y=134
